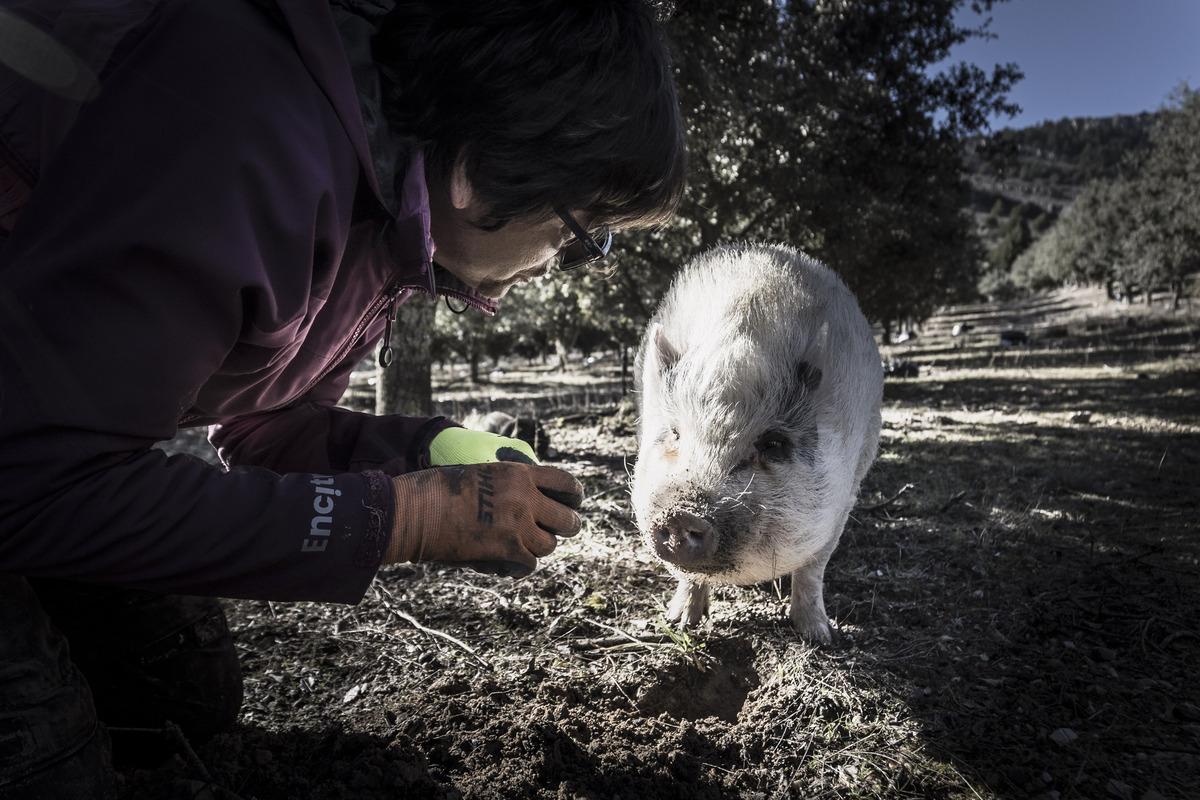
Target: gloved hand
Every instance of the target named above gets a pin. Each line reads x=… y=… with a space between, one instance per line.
x=465 y=446
x=495 y=517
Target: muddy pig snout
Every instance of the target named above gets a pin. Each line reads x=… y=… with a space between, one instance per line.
x=684 y=539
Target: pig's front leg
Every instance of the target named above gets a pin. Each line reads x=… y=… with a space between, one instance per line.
x=808 y=605
x=690 y=603
x=808 y=598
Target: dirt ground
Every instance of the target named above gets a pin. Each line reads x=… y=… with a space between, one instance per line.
x=1015 y=602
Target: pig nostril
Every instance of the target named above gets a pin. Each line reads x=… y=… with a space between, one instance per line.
x=684 y=539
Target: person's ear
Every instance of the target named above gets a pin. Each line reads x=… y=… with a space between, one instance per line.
x=462 y=195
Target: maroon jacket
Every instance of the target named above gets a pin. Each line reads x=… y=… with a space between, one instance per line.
x=206 y=241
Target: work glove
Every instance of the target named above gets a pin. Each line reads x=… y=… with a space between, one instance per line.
x=465 y=446
x=497 y=517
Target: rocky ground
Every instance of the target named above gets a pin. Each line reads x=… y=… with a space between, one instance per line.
x=1015 y=603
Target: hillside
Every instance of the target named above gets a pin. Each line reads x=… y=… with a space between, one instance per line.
x=1023 y=180
x=1047 y=164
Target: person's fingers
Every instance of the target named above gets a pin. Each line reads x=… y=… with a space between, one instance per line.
x=559 y=485
x=514 y=454
x=559 y=520
x=539 y=543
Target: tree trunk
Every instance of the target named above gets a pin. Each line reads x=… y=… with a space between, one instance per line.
x=624 y=370
x=405 y=387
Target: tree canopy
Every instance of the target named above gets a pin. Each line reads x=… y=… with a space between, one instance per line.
x=1138 y=231
x=817 y=123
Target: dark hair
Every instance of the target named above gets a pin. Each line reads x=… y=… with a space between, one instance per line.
x=548 y=102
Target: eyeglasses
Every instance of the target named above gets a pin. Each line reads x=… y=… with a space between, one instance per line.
x=585 y=248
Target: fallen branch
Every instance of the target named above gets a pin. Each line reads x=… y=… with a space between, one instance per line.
x=441 y=634
x=889 y=501
x=622 y=639
x=946 y=505
x=411 y=620
x=619 y=642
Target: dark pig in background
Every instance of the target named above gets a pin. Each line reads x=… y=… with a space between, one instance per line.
x=760 y=389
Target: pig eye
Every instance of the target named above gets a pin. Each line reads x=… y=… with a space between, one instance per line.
x=669 y=440
x=773 y=447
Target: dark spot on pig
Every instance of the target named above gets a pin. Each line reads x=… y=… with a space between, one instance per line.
x=774 y=446
x=668 y=439
x=796 y=412
x=809 y=376
x=798 y=400
x=807 y=443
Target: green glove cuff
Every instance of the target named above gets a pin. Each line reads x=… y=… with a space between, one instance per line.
x=464 y=446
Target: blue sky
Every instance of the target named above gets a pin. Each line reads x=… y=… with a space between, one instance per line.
x=1089 y=58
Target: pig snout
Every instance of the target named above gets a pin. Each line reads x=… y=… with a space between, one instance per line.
x=684 y=539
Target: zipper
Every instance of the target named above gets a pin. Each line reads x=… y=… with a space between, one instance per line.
x=385 y=349
x=388 y=298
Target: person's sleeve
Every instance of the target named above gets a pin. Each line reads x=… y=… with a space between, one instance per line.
x=145 y=248
x=314 y=436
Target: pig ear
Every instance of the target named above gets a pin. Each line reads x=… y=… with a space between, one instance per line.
x=664 y=352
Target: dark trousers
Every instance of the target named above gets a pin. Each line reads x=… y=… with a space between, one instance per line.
x=89 y=676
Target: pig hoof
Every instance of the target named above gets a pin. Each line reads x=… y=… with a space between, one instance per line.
x=684 y=539
x=689 y=605
x=812 y=627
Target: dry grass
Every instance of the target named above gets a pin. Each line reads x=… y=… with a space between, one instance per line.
x=1016 y=602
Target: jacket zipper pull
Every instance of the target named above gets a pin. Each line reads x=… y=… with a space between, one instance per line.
x=385 y=350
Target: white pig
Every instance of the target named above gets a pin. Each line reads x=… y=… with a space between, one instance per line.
x=760 y=388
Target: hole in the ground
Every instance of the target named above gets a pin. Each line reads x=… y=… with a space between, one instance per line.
x=720 y=690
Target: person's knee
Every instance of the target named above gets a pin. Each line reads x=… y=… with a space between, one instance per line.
x=51 y=745
x=190 y=677
x=150 y=659
x=84 y=773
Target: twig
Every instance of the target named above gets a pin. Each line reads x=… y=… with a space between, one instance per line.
x=384 y=596
x=889 y=501
x=1177 y=635
x=622 y=640
x=615 y=642
x=1162 y=749
x=504 y=601
x=627 y=636
x=430 y=631
x=946 y=505
x=189 y=755
x=173 y=732
x=598 y=495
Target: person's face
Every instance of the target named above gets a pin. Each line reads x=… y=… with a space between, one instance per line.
x=490 y=261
